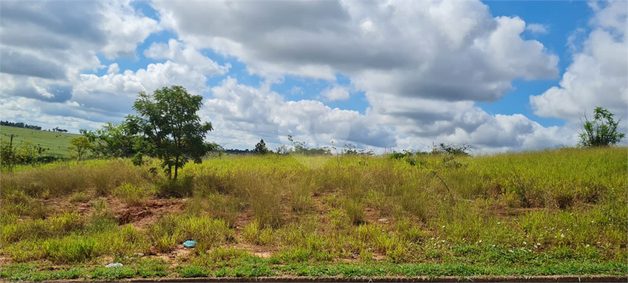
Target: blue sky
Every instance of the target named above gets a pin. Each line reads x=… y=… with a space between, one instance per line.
x=499 y=75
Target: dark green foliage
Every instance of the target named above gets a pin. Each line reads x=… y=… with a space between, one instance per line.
x=113 y=140
x=602 y=131
x=20 y=125
x=172 y=130
x=260 y=147
x=398 y=155
x=456 y=149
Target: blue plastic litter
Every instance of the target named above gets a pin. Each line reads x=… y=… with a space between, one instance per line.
x=189 y=244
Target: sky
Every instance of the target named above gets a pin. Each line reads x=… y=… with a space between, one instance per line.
x=500 y=76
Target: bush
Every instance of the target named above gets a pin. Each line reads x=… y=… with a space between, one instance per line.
x=396 y=155
x=602 y=131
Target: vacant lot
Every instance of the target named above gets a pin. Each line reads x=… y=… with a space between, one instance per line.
x=57 y=142
x=541 y=213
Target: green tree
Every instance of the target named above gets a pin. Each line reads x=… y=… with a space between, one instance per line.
x=172 y=130
x=260 y=147
x=602 y=131
x=80 y=145
x=113 y=140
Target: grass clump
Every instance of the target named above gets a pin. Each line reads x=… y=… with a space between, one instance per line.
x=130 y=194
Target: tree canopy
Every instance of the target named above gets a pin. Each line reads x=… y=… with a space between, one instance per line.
x=260 y=147
x=171 y=129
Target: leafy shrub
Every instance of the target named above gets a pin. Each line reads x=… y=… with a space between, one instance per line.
x=602 y=131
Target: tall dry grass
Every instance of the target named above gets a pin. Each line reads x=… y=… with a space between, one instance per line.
x=547 y=205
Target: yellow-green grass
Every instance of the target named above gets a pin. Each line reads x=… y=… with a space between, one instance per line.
x=57 y=142
x=535 y=213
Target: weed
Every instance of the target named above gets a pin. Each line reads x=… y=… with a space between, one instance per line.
x=71 y=249
x=254 y=234
x=355 y=211
x=192 y=271
x=130 y=194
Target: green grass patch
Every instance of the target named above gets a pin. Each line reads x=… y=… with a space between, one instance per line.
x=559 y=212
x=57 y=142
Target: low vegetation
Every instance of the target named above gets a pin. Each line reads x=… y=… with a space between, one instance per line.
x=538 y=213
x=56 y=143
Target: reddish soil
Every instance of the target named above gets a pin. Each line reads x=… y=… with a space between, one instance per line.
x=145 y=214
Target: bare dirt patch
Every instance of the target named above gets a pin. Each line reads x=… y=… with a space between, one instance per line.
x=145 y=214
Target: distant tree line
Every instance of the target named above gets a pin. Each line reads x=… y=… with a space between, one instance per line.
x=32 y=127
x=20 y=125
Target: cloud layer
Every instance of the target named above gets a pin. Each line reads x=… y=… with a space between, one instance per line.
x=420 y=66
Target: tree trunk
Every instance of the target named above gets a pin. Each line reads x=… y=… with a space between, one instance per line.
x=176 y=167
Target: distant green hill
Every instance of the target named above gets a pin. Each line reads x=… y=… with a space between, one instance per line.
x=57 y=142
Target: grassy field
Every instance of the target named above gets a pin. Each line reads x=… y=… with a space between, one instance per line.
x=560 y=212
x=57 y=142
